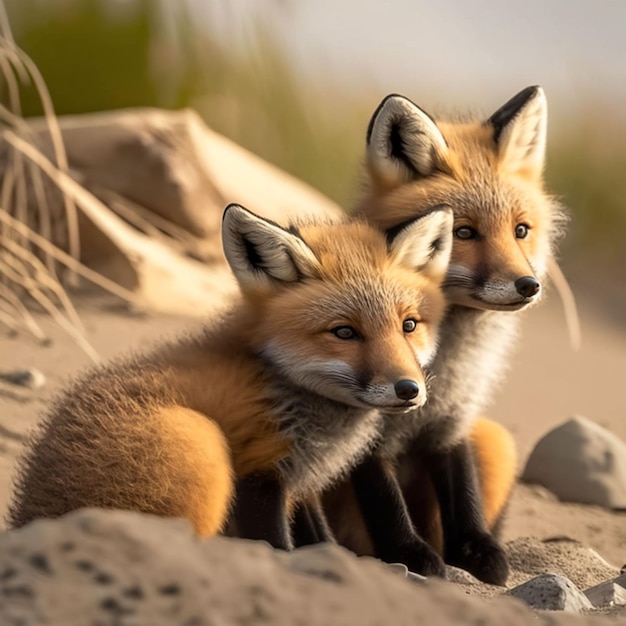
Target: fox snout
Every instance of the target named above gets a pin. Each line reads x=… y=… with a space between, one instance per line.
x=403 y=394
x=511 y=294
x=527 y=286
x=475 y=289
x=406 y=389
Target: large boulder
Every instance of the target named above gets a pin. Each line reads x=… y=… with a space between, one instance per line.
x=580 y=461
x=147 y=188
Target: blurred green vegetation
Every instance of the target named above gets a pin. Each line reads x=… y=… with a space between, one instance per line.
x=106 y=54
x=587 y=166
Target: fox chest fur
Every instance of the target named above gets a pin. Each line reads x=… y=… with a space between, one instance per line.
x=471 y=360
x=325 y=438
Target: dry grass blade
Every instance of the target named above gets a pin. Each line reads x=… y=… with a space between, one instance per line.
x=35 y=177
x=17 y=272
x=5 y=66
x=22 y=61
x=95 y=210
x=25 y=318
x=568 y=300
x=38 y=275
x=65 y=259
x=145 y=220
x=10 y=322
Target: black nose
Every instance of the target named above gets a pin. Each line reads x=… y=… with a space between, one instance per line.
x=527 y=286
x=406 y=389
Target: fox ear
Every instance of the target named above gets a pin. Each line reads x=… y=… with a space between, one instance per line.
x=520 y=128
x=260 y=253
x=403 y=142
x=424 y=243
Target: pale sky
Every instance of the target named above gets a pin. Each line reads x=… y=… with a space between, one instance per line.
x=469 y=52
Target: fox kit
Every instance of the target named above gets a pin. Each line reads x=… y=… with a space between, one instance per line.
x=505 y=225
x=277 y=399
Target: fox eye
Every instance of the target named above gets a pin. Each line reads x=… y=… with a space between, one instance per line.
x=521 y=231
x=465 y=232
x=344 y=332
x=409 y=325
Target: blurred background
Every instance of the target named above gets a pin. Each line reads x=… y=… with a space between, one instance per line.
x=296 y=82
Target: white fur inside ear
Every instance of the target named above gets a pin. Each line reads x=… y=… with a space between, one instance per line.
x=403 y=142
x=522 y=142
x=426 y=243
x=260 y=253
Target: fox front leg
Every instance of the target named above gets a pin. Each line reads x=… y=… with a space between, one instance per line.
x=467 y=541
x=388 y=521
x=260 y=510
x=310 y=525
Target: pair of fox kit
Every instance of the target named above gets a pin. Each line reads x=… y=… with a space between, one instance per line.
x=339 y=395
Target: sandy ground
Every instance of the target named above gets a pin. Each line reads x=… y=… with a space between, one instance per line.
x=547 y=384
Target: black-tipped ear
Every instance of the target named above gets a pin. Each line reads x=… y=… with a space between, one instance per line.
x=403 y=142
x=519 y=130
x=261 y=253
x=424 y=243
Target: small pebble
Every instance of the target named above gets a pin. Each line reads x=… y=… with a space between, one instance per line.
x=606 y=594
x=31 y=378
x=552 y=592
x=402 y=570
x=398 y=568
x=458 y=575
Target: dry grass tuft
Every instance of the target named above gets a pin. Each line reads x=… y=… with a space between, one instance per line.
x=39 y=249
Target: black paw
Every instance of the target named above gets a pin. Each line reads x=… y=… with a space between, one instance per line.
x=482 y=556
x=419 y=557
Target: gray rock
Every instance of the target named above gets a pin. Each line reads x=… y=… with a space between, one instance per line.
x=606 y=594
x=31 y=378
x=580 y=461
x=553 y=593
x=609 y=592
